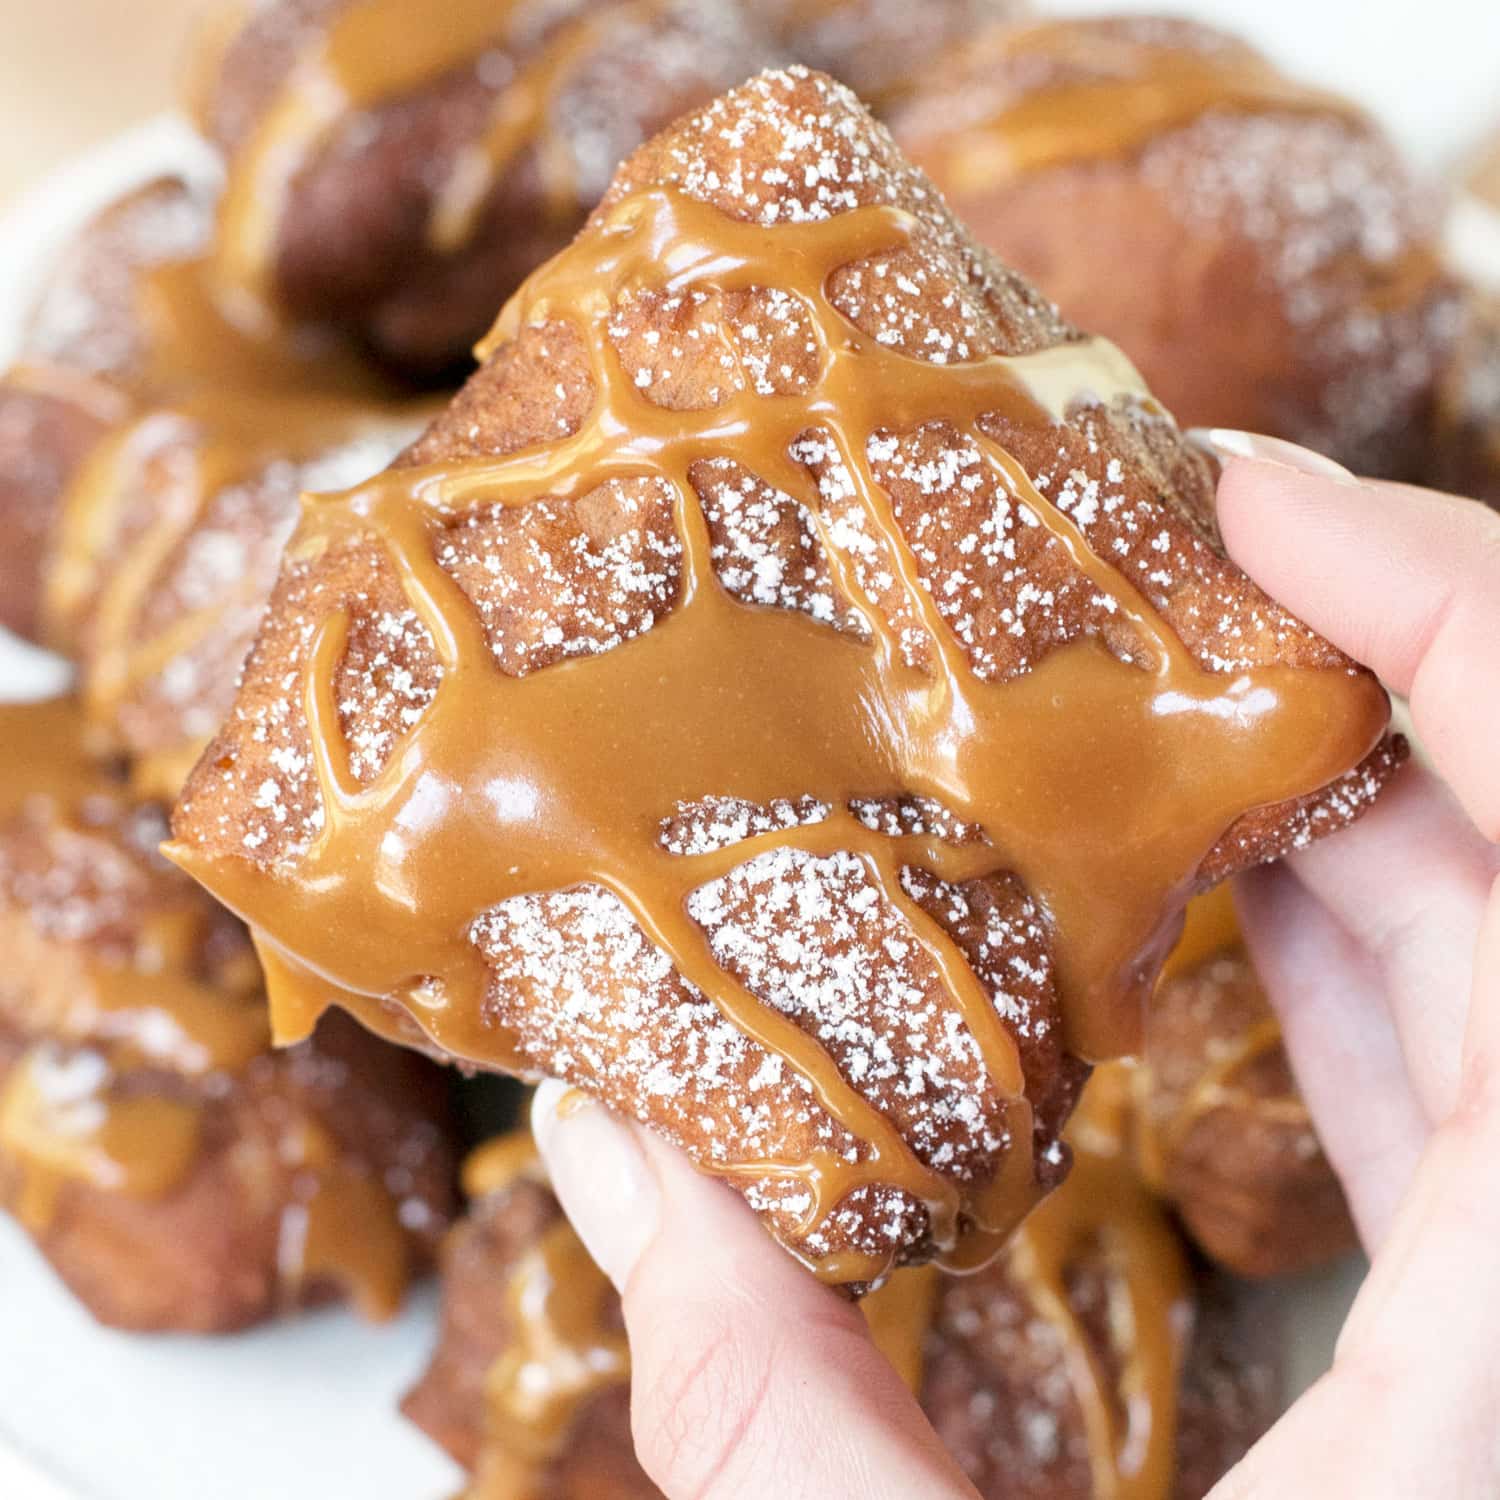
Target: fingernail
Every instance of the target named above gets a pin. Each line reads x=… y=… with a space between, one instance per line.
x=1256 y=446
x=600 y=1176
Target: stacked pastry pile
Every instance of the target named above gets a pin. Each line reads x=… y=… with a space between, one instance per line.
x=790 y=691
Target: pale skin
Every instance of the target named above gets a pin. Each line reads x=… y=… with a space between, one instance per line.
x=1380 y=949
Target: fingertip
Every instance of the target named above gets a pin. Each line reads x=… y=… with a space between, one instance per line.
x=600 y=1175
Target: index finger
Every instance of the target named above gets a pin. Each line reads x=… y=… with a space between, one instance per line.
x=1406 y=581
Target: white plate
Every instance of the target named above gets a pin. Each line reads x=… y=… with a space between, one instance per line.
x=305 y=1409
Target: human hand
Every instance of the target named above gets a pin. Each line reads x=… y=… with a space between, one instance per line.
x=751 y=1379
x=1380 y=949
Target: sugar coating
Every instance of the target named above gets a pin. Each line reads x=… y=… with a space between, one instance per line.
x=816 y=939
x=553 y=580
x=220 y=576
x=1313 y=196
x=88 y=316
x=714 y=823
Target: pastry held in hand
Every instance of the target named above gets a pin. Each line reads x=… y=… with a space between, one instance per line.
x=791 y=694
x=1256 y=245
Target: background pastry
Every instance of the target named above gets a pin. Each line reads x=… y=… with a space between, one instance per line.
x=1256 y=245
x=1464 y=455
x=745 y=902
x=398 y=169
x=882 y=49
x=1220 y=1129
x=175 y=1171
x=151 y=463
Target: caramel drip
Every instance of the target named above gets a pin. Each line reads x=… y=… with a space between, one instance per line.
x=521 y=118
x=42 y=753
x=1209 y=927
x=60 y=1124
x=1103 y=1211
x=899 y=1314
x=1131 y=92
x=1102 y=785
x=341 y=1226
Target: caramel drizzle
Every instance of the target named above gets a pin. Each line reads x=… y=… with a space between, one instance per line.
x=562 y=1350
x=341 y=1225
x=371 y=55
x=1104 y=1210
x=98 y=591
x=725 y=698
x=55 y=1132
x=62 y=1116
x=1211 y=930
x=521 y=116
x=1142 y=90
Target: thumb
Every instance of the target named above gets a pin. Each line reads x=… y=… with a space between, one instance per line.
x=749 y=1378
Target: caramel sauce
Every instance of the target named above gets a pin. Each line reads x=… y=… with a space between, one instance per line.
x=373 y=54
x=208 y=439
x=341 y=1226
x=1209 y=927
x=42 y=752
x=1104 y=1211
x=520 y=120
x=1102 y=785
x=900 y=1313
x=60 y=1124
x=67 y=1112
x=563 y=1348
x=1131 y=92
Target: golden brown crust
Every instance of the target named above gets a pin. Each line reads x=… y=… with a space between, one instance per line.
x=1279 y=261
